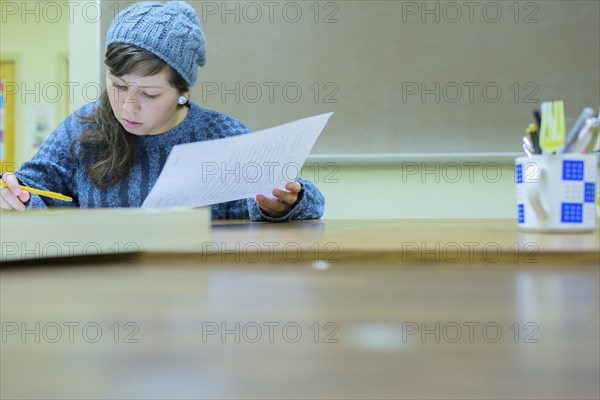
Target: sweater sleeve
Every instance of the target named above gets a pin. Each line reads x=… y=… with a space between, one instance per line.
x=53 y=167
x=310 y=205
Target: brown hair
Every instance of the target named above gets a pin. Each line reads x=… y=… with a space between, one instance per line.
x=105 y=147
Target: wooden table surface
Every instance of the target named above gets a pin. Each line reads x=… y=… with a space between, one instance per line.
x=367 y=324
x=442 y=242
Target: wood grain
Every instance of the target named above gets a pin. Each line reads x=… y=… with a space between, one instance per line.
x=302 y=330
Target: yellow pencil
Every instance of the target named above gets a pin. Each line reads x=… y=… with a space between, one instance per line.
x=45 y=193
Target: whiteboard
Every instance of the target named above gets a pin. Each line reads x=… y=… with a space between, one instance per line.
x=400 y=76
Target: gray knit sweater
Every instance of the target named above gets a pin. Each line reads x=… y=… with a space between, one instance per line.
x=54 y=168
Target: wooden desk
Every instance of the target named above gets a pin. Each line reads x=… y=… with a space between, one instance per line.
x=444 y=243
x=378 y=323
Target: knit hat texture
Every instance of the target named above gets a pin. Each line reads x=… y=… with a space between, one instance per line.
x=171 y=31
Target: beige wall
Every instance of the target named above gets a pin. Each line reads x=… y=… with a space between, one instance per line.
x=415 y=190
x=84 y=52
x=36 y=40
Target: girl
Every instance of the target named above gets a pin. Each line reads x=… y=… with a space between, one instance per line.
x=110 y=153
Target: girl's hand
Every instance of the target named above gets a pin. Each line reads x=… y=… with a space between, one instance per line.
x=12 y=197
x=282 y=203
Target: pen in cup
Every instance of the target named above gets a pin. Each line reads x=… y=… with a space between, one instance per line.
x=537 y=115
x=527 y=147
x=552 y=129
x=594 y=145
x=529 y=140
x=535 y=136
x=585 y=136
x=575 y=131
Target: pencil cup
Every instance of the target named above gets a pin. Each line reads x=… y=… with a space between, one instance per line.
x=556 y=193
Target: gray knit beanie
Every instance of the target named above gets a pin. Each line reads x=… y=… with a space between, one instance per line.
x=170 y=31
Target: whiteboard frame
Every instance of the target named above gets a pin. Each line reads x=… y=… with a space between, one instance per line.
x=383 y=159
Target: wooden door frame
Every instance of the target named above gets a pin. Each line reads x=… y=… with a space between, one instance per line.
x=7 y=72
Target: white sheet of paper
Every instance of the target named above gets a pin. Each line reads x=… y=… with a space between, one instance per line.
x=216 y=171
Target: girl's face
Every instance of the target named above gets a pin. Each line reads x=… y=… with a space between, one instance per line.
x=144 y=105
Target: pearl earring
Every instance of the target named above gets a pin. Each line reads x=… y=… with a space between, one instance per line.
x=182 y=100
